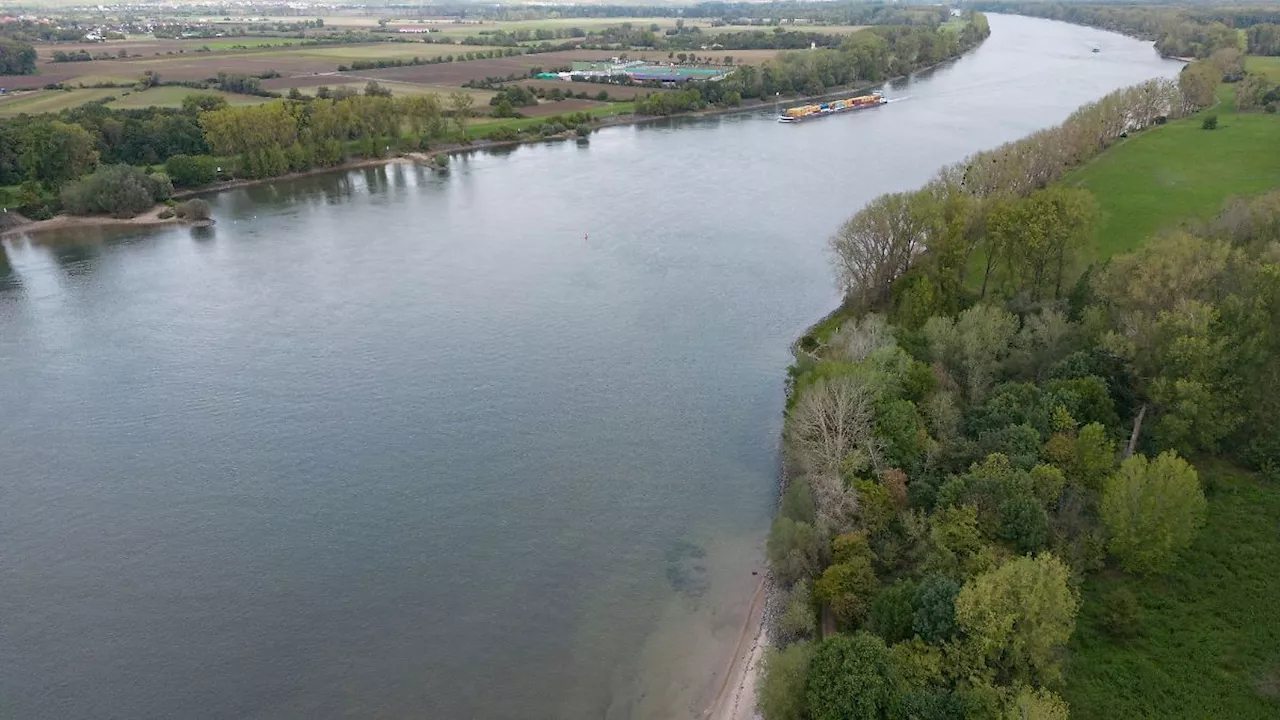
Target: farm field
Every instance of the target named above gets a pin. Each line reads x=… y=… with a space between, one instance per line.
x=309 y=66
x=172 y=96
x=389 y=51
x=43 y=101
x=398 y=89
x=1208 y=642
x=1179 y=173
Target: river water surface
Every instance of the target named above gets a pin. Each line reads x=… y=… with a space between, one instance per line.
x=501 y=444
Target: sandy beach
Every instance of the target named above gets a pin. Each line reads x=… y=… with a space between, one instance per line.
x=62 y=222
x=736 y=699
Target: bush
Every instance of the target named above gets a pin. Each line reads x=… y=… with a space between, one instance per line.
x=1122 y=615
x=117 y=190
x=1210 y=123
x=781 y=693
x=196 y=210
x=161 y=186
x=798 y=619
x=582 y=130
x=166 y=214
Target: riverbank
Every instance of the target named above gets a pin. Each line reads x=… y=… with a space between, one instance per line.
x=63 y=222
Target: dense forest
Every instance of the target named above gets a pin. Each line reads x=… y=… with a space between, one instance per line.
x=1178 y=31
x=992 y=417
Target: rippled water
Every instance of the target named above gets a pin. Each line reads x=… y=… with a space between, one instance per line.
x=501 y=444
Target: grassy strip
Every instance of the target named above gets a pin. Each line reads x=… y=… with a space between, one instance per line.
x=1209 y=643
x=481 y=129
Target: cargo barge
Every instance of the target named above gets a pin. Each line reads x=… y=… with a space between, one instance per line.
x=808 y=112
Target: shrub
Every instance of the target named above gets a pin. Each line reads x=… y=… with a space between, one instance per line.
x=195 y=210
x=1122 y=615
x=166 y=214
x=1210 y=123
x=161 y=186
x=797 y=620
x=582 y=130
x=781 y=693
x=118 y=190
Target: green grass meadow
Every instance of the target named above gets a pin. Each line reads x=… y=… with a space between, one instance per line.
x=1180 y=172
x=1209 y=643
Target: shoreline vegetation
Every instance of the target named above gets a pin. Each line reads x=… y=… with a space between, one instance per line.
x=208 y=145
x=1015 y=420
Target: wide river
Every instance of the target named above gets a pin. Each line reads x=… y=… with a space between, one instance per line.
x=496 y=444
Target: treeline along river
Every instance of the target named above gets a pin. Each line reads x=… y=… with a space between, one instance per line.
x=499 y=444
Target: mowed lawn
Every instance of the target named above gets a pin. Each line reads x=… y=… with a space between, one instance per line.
x=1209 y=643
x=1180 y=172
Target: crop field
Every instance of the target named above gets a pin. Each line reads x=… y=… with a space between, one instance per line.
x=398 y=89
x=389 y=51
x=456 y=73
x=309 y=66
x=560 y=107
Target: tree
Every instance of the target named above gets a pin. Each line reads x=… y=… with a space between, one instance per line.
x=16 y=57
x=1018 y=616
x=191 y=171
x=1153 y=510
x=848 y=678
x=878 y=244
x=934 y=619
x=1250 y=91
x=1038 y=237
x=784 y=677
x=850 y=583
x=830 y=426
x=1095 y=455
x=1198 y=82
x=893 y=611
x=55 y=153
x=460 y=105
x=973 y=346
x=793 y=549
x=117 y=190
x=1035 y=704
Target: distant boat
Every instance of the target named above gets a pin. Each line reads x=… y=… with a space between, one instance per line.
x=1097 y=49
